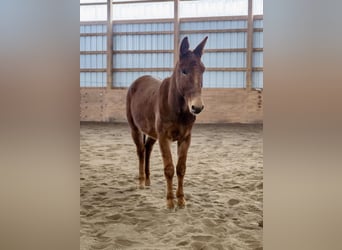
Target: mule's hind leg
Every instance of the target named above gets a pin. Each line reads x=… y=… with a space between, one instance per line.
x=138 y=140
x=148 y=149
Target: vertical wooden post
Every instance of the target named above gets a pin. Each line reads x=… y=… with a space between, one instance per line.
x=109 y=44
x=249 y=45
x=176 y=31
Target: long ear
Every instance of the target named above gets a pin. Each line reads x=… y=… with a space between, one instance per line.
x=184 y=48
x=199 y=49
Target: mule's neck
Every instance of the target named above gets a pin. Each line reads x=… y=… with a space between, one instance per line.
x=176 y=101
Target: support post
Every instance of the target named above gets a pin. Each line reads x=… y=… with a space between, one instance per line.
x=176 y=31
x=109 y=44
x=249 y=46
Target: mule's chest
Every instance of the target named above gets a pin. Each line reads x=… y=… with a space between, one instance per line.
x=175 y=129
x=178 y=133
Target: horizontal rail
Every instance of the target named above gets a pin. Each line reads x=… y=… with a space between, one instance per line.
x=142 y=33
x=224 y=50
x=93 y=52
x=172 y=51
x=92 y=4
x=141 y=69
x=142 y=1
x=256 y=69
x=166 y=51
x=171 y=69
x=140 y=21
x=219 y=31
x=93 y=70
x=126 y=2
x=226 y=69
x=171 y=20
x=92 y=23
x=171 y=32
x=93 y=34
x=215 y=18
x=189 y=19
x=141 y=51
x=212 y=31
x=258 y=29
x=182 y=20
x=231 y=50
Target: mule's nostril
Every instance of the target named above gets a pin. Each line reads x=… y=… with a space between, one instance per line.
x=196 y=110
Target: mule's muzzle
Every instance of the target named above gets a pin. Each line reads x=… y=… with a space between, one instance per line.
x=196 y=110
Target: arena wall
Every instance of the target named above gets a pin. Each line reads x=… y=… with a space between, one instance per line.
x=221 y=105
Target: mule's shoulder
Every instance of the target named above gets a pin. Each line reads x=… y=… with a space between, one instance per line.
x=150 y=78
x=144 y=82
x=146 y=79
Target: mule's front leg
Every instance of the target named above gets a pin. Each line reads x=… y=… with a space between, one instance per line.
x=164 y=144
x=183 y=147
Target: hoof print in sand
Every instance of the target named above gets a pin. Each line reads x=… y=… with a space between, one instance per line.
x=224 y=195
x=233 y=202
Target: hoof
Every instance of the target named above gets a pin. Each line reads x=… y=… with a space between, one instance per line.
x=141 y=183
x=170 y=204
x=147 y=182
x=181 y=202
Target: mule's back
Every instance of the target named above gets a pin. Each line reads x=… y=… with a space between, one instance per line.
x=141 y=104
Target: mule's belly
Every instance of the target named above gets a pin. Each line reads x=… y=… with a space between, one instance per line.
x=146 y=124
x=143 y=104
x=150 y=131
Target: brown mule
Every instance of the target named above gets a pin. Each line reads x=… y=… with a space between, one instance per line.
x=166 y=111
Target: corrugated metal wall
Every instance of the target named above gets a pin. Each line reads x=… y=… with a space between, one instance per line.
x=141 y=49
x=220 y=38
x=258 y=43
x=147 y=48
x=93 y=43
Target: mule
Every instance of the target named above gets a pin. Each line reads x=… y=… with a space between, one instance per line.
x=166 y=111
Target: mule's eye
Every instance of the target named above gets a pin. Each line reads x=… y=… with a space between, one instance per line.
x=184 y=72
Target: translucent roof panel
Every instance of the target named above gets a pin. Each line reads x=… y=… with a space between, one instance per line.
x=258 y=7
x=206 y=8
x=93 y=13
x=155 y=10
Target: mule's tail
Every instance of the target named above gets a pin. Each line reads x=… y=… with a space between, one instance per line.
x=128 y=109
x=129 y=113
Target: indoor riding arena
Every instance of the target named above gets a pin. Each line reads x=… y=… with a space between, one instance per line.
x=121 y=41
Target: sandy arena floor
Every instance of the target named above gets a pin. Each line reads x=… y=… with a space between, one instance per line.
x=223 y=188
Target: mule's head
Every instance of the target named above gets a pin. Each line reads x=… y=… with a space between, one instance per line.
x=189 y=72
